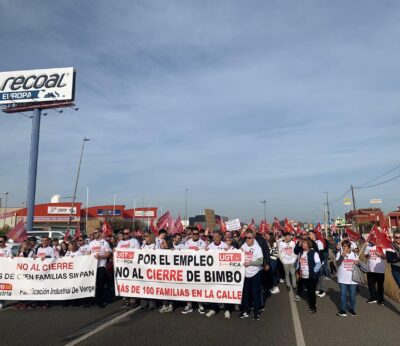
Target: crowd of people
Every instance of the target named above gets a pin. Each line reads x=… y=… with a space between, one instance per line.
x=300 y=261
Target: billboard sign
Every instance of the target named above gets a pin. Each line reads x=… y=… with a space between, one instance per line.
x=56 y=84
x=61 y=210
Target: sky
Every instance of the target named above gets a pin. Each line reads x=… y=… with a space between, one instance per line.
x=235 y=101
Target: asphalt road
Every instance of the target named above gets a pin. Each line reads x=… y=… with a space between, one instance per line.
x=374 y=325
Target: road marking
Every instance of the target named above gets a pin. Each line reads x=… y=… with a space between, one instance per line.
x=296 y=321
x=7 y=308
x=101 y=327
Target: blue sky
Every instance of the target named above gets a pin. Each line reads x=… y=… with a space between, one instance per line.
x=236 y=101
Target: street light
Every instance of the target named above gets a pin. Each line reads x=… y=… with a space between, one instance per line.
x=328 y=212
x=265 y=209
x=5 y=209
x=76 y=181
x=186 y=205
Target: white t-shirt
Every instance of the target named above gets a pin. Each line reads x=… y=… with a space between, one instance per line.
x=45 y=252
x=195 y=245
x=84 y=250
x=286 y=251
x=304 y=269
x=148 y=246
x=376 y=264
x=251 y=254
x=180 y=246
x=73 y=254
x=222 y=246
x=100 y=247
x=5 y=252
x=129 y=244
x=345 y=270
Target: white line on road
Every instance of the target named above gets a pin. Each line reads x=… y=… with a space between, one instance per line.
x=296 y=321
x=101 y=327
x=7 y=308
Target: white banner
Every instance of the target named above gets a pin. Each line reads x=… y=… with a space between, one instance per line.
x=51 y=279
x=61 y=210
x=233 y=225
x=186 y=275
x=56 y=84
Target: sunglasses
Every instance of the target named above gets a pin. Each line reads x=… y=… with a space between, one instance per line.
x=147 y=236
x=126 y=233
x=249 y=237
x=396 y=237
x=81 y=239
x=195 y=234
x=1 y=241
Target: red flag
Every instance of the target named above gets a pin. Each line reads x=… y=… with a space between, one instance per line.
x=318 y=233
x=252 y=225
x=383 y=240
x=153 y=228
x=107 y=230
x=66 y=236
x=18 y=234
x=354 y=236
x=163 y=220
x=276 y=226
x=288 y=226
x=372 y=234
x=261 y=227
x=178 y=225
x=78 y=232
x=171 y=226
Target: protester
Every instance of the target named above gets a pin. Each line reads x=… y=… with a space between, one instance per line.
x=166 y=244
x=84 y=248
x=149 y=243
x=63 y=249
x=177 y=242
x=345 y=261
x=43 y=252
x=195 y=243
x=252 y=282
x=309 y=265
x=320 y=291
x=4 y=252
x=127 y=242
x=393 y=257
x=273 y=255
x=24 y=250
x=102 y=252
x=376 y=274
x=288 y=259
x=218 y=244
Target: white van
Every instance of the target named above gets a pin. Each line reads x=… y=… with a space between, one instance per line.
x=51 y=234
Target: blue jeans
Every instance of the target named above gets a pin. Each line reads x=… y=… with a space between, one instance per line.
x=344 y=288
x=274 y=272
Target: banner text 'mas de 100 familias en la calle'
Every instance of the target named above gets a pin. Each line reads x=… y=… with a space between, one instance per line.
x=185 y=275
x=51 y=279
x=56 y=84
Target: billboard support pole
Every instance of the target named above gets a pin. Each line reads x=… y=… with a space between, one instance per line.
x=33 y=162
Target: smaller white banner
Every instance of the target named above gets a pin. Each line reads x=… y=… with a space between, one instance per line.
x=61 y=210
x=51 y=279
x=233 y=225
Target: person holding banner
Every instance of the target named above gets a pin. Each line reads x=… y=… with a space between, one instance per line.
x=177 y=242
x=166 y=244
x=149 y=243
x=195 y=243
x=102 y=252
x=218 y=244
x=4 y=252
x=376 y=274
x=24 y=250
x=83 y=247
x=252 y=282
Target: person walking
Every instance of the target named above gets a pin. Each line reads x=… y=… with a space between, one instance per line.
x=288 y=259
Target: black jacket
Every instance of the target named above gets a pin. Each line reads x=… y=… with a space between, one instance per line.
x=264 y=247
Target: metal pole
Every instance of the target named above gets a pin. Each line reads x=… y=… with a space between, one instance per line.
x=186 y=204
x=265 y=209
x=354 y=208
x=87 y=207
x=115 y=197
x=33 y=162
x=76 y=182
x=327 y=209
x=5 y=209
x=133 y=214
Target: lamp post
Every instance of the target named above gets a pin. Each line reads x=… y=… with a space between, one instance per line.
x=5 y=208
x=265 y=209
x=84 y=140
x=186 y=205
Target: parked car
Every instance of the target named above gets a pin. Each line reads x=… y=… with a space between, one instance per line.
x=51 y=234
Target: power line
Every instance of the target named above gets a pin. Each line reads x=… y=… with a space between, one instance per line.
x=370 y=181
x=381 y=183
x=339 y=198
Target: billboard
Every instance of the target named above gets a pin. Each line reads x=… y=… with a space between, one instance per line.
x=61 y=210
x=56 y=84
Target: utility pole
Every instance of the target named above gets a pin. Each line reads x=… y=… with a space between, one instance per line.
x=265 y=209
x=327 y=209
x=76 y=182
x=186 y=205
x=354 y=219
